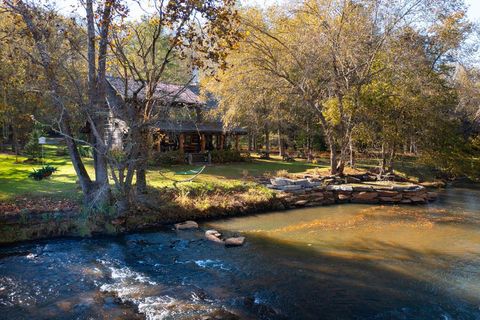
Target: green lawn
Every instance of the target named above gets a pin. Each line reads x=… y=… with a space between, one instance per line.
x=14 y=180
x=221 y=173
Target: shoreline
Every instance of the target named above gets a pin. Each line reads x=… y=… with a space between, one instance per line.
x=31 y=226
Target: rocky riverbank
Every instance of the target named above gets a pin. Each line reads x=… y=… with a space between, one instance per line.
x=311 y=192
x=285 y=194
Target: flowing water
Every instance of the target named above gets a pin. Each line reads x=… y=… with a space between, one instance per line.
x=336 y=262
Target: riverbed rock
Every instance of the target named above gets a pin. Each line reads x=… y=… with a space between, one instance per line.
x=301 y=203
x=432 y=196
x=433 y=184
x=186 y=225
x=390 y=199
x=317 y=195
x=290 y=187
x=360 y=188
x=213 y=235
x=119 y=221
x=280 y=181
x=234 y=241
x=340 y=188
x=302 y=182
x=418 y=200
x=351 y=179
x=343 y=196
x=363 y=195
x=388 y=193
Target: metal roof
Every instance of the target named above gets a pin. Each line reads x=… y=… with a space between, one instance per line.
x=164 y=91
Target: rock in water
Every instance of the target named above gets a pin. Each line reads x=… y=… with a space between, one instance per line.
x=213 y=235
x=186 y=225
x=235 y=241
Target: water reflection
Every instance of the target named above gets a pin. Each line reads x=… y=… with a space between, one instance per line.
x=338 y=262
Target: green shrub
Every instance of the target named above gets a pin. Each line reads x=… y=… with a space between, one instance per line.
x=224 y=156
x=61 y=151
x=33 y=149
x=42 y=173
x=85 y=151
x=167 y=158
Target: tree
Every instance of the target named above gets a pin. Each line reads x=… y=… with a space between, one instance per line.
x=148 y=53
x=56 y=48
x=323 y=52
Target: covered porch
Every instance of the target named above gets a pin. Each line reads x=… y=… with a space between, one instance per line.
x=190 y=137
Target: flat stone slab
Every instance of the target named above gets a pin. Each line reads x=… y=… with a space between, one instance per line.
x=301 y=203
x=234 y=241
x=186 y=225
x=302 y=182
x=339 y=187
x=281 y=181
x=290 y=187
x=365 y=195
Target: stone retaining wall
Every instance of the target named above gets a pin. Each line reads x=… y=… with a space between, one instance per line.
x=308 y=192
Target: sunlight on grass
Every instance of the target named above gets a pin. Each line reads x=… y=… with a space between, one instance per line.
x=14 y=180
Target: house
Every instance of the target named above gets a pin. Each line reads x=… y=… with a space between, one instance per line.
x=181 y=124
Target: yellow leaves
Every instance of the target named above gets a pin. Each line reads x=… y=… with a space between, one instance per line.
x=331 y=111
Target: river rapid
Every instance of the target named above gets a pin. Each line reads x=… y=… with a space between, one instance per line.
x=335 y=262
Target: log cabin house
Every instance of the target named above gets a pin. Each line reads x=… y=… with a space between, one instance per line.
x=182 y=124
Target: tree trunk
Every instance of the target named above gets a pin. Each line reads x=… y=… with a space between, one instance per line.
x=352 y=158
x=333 y=160
x=97 y=95
x=383 y=160
x=141 y=172
x=267 y=140
x=391 y=158
x=281 y=146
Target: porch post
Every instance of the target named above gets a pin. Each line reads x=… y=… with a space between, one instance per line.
x=159 y=141
x=222 y=141
x=237 y=142
x=217 y=142
x=181 y=142
x=203 y=142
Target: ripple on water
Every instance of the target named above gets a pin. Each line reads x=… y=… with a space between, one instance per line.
x=153 y=299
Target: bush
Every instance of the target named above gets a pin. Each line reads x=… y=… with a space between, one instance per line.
x=167 y=158
x=61 y=151
x=224 y=156
x=42 y=173
x=85 y=151
x=33 y=149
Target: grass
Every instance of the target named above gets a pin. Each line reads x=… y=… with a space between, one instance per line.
x=14 y=180
x=225 y=178
x=231 y=173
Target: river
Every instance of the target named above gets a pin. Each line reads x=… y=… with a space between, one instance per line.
x=335 y=262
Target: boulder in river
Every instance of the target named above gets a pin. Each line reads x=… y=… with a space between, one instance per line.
x=186 y=225
x=213 y=235
x=234 y=241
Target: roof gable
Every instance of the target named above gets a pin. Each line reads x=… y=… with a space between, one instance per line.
x=164 y=91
